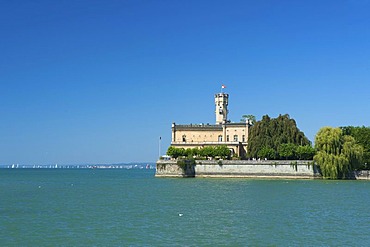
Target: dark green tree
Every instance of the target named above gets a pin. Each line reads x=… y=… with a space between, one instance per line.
x=272 y=132
x=362 y=137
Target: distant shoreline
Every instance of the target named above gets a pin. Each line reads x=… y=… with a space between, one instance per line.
x=141 y=165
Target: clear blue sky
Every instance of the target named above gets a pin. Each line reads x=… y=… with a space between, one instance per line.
x=100 y=81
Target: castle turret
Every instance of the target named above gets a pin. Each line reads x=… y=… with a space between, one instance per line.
x=221 y=102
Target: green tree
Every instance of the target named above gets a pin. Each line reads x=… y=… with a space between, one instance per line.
x=267 y=152
x=337 y=154
x=251 y=119
x=305 y=152
x=195 y=151
x=207 y=152
x=362 y=137
x=190 y=152
x=222 y=151
x=287 y=150
x=272 y=132
x=176 y=152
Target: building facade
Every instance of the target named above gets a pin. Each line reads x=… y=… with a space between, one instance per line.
x=233 y=135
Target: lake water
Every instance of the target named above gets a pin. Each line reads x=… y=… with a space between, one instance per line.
x=118 y=207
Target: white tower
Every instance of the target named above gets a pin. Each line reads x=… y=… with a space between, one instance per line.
x=221 y=102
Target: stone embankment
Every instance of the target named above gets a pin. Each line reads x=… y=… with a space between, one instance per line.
x=362 y=175
x=296 y=169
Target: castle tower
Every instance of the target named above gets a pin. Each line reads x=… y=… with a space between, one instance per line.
x=221 y=102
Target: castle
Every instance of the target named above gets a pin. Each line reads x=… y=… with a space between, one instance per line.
x=233 y=135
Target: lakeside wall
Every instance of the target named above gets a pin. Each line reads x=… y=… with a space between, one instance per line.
x=300 y=169
x=362 y=175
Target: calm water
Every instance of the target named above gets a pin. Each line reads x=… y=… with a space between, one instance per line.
x=62 y=207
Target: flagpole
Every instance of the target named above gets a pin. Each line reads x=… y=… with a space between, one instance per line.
x=222 y=87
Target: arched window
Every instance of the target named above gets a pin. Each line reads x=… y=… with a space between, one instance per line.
x=184 y=138
x=220 y=138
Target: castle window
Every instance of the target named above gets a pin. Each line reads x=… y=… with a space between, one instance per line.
x=227 y=138
x=243 y=138
x=220 y=138
x=235 y=138
x=184 y=138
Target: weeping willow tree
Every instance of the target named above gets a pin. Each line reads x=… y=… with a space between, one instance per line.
x=337 y=154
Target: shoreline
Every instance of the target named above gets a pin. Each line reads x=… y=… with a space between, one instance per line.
x=252 y=169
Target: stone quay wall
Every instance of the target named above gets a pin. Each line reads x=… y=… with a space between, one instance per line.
x=362 y=175
x=291 y=169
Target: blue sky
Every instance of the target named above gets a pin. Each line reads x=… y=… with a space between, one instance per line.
x=100 y=81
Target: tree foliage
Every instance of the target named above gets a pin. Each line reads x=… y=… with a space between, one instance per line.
x=267 y=153
x=362 y=137
x=287 y=150
x=220 y=151
x=271 y=133
x=251 y=119
x=337 y=154
x=305 y=152
x=175 y=152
